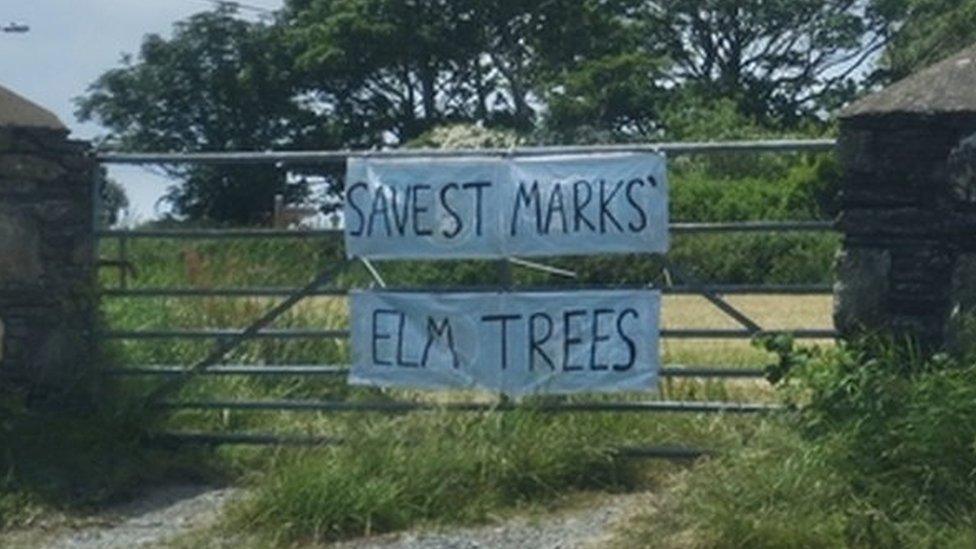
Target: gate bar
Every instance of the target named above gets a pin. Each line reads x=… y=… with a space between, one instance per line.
x=311 y=333
x=323 y=157
x=680 y=289
x=401 y=407
x=341 y=370
x=269 y=439
x=675 y=228
x=226 y=344
x=713 y=298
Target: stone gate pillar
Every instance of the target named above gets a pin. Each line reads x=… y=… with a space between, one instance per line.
x=907 y=212
x=46 y=274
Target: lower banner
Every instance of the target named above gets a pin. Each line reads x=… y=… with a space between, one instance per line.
x=515 y=343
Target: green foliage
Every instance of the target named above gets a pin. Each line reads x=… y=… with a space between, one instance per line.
x=114 y=202
x=757 y=53
x=776 y=491
x=756 y=259
x=903 y=417
x=218 y=84
x=767 y=190
x=764 y=188
x=692 y=117
x=929 y=31
x=612 y=95
x=457 y=61
x=323 y=75
x=88 y=449
x=880 y=452
x=744 y=61
x=444 y=467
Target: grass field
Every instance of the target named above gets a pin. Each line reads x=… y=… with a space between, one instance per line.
x=771 y=312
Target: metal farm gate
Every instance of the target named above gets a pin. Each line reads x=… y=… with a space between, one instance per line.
x=226 y=340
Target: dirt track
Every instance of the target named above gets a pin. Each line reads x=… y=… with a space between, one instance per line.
x=168 y=513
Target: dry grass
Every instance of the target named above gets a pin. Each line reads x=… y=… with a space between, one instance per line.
x=772 y=312
x=776 y=312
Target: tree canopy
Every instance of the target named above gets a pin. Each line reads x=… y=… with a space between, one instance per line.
x=928 y=31
x=218 y=84
x=369 y=73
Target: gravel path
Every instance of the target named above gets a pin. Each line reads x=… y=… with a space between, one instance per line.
x=161 y=515
x=166 y=513
x=587 y=527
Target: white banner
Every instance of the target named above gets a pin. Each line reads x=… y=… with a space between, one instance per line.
x=502 y=207
x=516 y=343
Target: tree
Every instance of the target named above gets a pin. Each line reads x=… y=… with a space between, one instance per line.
x=390 y=70
x=218 y=84
x=368 y=73
x=928 y=31
x=114 y=202
x=607 y=99
x=784 y=63
x=382 y=69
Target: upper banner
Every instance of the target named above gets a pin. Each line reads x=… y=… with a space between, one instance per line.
x=426 y=208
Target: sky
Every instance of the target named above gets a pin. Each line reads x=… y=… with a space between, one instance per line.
x=71 y=43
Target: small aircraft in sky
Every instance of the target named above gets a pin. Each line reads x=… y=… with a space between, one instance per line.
x=15 y=27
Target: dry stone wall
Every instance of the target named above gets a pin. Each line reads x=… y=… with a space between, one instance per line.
x=46 y=272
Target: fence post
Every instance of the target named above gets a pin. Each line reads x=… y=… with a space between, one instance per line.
x=908 y=231
x=47 y=303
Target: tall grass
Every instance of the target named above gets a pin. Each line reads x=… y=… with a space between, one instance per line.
x=444 y=467
x=88 y=450
x=881 y=452
x=447 y=468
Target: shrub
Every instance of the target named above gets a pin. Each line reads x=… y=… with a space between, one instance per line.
x=906 y=421
x=88 y=447
x=880 y=451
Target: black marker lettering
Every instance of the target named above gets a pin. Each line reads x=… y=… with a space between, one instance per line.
x=554 y=197
x=527 y=198
x=358 y=231
x=435 y=331
x=377 y=336
x=631 y=346
x=401 y=361
x=458 y=223
x=640 y=211
x=504 y=320
x=380 y=197
x=477 y=186
x=401 y=215
x=605 y=211
x=418 y=209
x=579 y=213
x=536 y=342
x=597 y=337
x=569 y=341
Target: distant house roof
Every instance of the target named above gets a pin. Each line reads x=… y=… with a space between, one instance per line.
x=948 y=86
x=16 y=111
